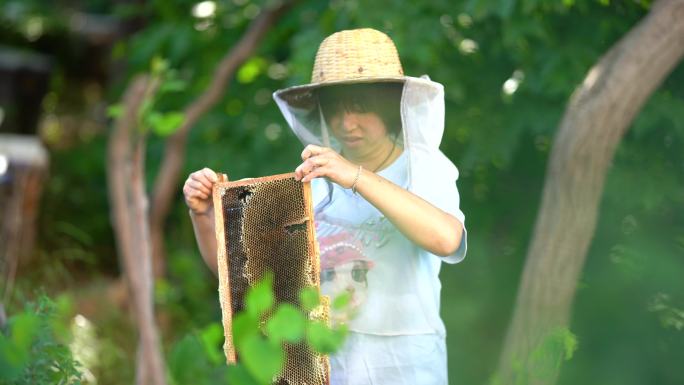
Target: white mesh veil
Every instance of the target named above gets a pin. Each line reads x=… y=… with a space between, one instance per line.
x=422 y=115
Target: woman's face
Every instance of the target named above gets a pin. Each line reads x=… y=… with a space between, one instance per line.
x=358 y=132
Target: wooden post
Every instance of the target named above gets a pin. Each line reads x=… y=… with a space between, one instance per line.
x=23 y=167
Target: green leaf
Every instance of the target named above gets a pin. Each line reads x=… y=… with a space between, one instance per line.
x=211 y=337
x=63 y=314
x=24 y=329
x=165 y=124
x=341 y=301
x=251 y=69
x=159 y=65
x=238 y=374
x=287 y=324
x=15 y=349
x=175 y=85
x=558 y=345
x=309 y=298
x=323 y=339
x=115 y=111
x=243 y=326
x=259 y=298
x=13 y=359
x=263 y=360
x=186 y=360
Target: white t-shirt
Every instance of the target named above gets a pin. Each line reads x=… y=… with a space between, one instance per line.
x=394 y=284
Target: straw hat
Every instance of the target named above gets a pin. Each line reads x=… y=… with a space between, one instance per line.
x=352 y=56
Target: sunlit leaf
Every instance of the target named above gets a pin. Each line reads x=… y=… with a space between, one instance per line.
x=262 y=359
x=251 y=69
x=309 y=298
x=324 y=339
x=24 y=329
x=342 y=300
x=212 y=337
x=259 y=298
x=557 y=346
x=159 y=65
x=165 y=124
x=243 y=326
x=287 y=324
x=115 y=111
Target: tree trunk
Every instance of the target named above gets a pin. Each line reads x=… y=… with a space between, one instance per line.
x=598 y=114
x=167 y=182
x=129 y=214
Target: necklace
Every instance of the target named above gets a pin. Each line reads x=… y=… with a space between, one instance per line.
x=394 y=145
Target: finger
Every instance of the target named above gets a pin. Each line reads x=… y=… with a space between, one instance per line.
x=200 y=194
x=200 y=177
x=317 y=173
x=195 y=198
x=308 y=167
x=210 y=174
x=319 y=160
x=199 y=187
x=188 y=190
x=298 y=172
x=301 y=171
x=304 y=168
x=311 y=150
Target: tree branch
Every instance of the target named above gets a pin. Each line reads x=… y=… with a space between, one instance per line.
x=166 y=183
x=129 y=212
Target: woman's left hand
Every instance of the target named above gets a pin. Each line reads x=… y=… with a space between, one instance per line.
x=325 y=162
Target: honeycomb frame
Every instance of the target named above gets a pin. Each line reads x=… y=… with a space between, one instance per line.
x=241 y=259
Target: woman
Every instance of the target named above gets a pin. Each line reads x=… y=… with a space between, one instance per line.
x=387 y=207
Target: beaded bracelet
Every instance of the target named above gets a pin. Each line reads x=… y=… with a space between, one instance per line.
x=356 y=179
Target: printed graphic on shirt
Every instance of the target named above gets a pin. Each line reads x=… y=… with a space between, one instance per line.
x=344 y=269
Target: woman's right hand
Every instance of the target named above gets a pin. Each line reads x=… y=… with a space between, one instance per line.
x=197 y=190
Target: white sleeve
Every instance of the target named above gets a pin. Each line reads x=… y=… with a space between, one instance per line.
x=437 y=185
x=448 y=200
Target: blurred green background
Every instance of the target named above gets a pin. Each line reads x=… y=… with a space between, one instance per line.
x=508 y=68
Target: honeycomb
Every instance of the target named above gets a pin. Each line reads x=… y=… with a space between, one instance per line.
x=266 y=224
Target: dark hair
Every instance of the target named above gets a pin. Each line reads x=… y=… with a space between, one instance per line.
x=383 y=99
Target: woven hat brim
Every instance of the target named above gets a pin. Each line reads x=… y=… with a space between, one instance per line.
x=302 y=95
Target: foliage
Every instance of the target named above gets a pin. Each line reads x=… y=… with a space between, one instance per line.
x=33 y=350
x=259 y=334
x=197 y=359
x=150 y=119
x=557 y=346
x=508 y=68
x=545 y=359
